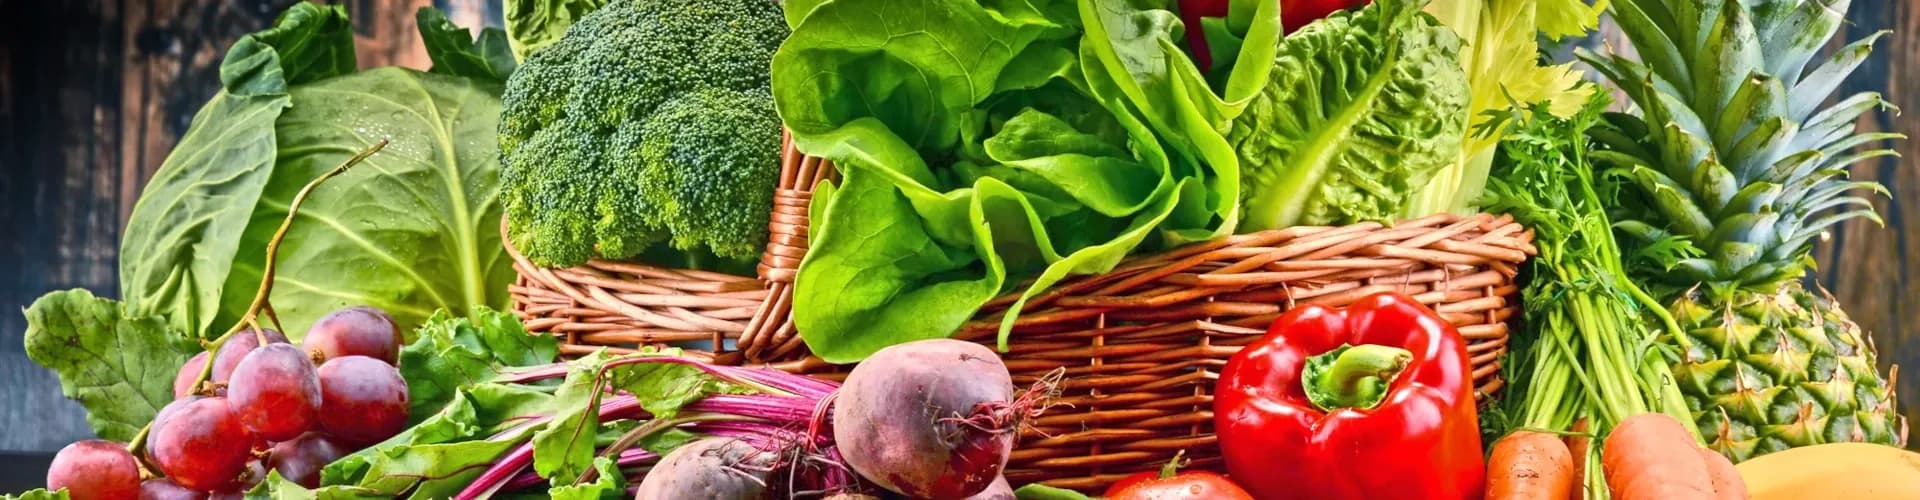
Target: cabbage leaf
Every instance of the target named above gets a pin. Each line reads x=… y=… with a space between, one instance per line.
x=411 y=230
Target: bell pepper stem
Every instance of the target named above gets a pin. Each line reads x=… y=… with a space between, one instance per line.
x=1353 y=376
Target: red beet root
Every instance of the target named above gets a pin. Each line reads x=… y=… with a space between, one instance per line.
x=929 y=419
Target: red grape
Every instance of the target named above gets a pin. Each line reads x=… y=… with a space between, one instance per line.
x=301 y=459
x=365 y=400
x=199 y=443
x=254 y=473
x=162 y=489
x=276 y=392
x=236 y=349
x=355 y=331
x=189 y=373
x=95 y=469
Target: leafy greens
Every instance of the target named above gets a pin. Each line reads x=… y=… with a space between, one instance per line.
x=1362 y=108
x=1501 y=62
x=533 y=24
x=983 y=142
x=119 y=366
x=411 y=231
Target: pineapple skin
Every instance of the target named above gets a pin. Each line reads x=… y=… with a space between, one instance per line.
x=1765 y=371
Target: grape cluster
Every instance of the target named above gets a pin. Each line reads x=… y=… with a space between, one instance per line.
x=261 y=408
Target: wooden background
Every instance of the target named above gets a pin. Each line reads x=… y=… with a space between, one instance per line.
x=93 y=93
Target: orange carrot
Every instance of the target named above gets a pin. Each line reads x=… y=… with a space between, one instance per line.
x=1726 y=479
x=1529 y=465
x=1650 y=456
x=1578 y=447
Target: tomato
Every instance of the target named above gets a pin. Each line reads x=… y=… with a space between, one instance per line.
x=1169 y=483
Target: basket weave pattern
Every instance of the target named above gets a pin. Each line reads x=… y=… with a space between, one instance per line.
x=1142 y=345
x=624 y=305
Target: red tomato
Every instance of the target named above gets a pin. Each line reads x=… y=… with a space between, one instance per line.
x=1169 y=483
x=1191 y=485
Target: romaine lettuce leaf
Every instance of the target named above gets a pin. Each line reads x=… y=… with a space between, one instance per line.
x=1362 y=107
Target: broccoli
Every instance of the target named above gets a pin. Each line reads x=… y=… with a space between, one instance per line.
x=650 y=121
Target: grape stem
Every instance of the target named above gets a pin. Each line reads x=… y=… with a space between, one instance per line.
x=139 y=442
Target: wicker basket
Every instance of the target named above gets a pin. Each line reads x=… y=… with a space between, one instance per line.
x=1141 y=345
x=623 y=305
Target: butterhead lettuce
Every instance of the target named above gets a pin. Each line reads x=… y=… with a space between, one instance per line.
x=986 y=143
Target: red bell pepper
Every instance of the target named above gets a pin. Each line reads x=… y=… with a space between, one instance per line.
x=1293 y=15
x=1374 y=402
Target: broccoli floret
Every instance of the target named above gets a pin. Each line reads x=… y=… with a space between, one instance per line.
x=685 y=140
x=649 y=121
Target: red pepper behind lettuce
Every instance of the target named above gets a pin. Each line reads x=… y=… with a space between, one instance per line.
x=1374 y=401
x=1293 y=15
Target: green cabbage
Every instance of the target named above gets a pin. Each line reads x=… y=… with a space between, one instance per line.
x=1362 y=108
x=413 y=229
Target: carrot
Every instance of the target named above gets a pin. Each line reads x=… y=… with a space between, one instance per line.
x=1528 y=465
x=1726 y=479
x=1578 y=447
x=1651 y=457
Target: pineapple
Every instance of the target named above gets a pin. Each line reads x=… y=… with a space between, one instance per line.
x=1734 y=165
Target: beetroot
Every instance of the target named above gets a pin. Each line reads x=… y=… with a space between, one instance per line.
x=716 y=468
x=929 y=419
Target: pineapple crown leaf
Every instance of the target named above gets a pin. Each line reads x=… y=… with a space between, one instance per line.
x=1747 y=191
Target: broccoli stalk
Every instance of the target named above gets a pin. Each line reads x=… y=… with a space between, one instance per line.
x=648 y=122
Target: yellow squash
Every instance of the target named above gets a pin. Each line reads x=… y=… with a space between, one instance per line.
x=1841 y=470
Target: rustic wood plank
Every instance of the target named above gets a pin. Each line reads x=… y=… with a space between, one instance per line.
x=173 y=50
x=61 y=111
x=1870 y=269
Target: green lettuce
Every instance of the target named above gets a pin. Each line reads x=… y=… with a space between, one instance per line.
x=455 y=51
x=983 y=144
x=450 y=352
x=411 y=230
x=532 y=24
x=1363 y=107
